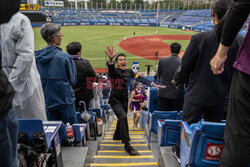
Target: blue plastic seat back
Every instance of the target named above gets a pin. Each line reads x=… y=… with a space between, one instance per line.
x=161 y=115
x=153 y=100
x=179 y=115
x=93 y=115
x=79 y=131
x=210 y=144
x=151 y=78
x=204 y=145
x=30 y=126
x=171 y=132
x=79 y=118
x=98 y=112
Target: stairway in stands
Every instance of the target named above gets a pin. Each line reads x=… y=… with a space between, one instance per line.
x=111 y=152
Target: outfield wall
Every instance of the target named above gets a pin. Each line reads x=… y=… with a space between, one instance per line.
x=93 y=23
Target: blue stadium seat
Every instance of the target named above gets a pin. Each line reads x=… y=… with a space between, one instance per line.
x=159 y=115
x=79 y=131
x=153 y=100
x=201 y=144
x=151 y=78
x=168 y=132
x=98 y=112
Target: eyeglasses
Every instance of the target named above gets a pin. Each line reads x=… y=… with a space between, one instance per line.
x=59 y=36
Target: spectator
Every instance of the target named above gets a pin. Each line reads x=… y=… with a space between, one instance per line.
x=8 y=121
x=237 y=132
x=106 y=90
x=84 y=74
x=137 y=98
x=205 y=93
x=18 y=52
x=58 y=74
x=97 y=86
x=170 y=98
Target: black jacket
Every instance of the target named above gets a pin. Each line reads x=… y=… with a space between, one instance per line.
x=202 y=87
x=119 y=81
x=85 y=76
x=165 y=74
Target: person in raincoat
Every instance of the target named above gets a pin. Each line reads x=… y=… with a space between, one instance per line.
x=58 y=74
x=17 y=47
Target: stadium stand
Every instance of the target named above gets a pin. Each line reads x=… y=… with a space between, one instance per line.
x=197 y=20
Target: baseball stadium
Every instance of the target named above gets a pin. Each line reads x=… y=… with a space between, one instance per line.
x=125 y=83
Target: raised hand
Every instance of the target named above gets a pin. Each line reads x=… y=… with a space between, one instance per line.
x=110 y=52
x=217 y=62
x=159 y=86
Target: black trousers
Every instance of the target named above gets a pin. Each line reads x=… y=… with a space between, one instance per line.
x=121 y=131
x=170 y=104
x=192 y=113
x=237 y=130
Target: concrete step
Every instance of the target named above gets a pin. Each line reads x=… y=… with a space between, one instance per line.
x=74 y=156
x=166 y=158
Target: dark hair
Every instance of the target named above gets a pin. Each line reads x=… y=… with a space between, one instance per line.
x=220 y=9
x=121 y=54
x=73 y=48
x=175 y=48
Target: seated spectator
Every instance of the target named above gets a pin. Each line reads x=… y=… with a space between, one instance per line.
x=98 y=87
x=58 y=74
x=170 y=98
x=17 y=43
x=205 y=93
x=82 y=89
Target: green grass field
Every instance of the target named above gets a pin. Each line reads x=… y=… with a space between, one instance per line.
x=95 y=39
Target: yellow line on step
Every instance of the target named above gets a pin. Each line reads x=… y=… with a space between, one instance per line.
x=126 y=164
x=123 y=157
x=131 y=137
x=130 y=132
x=123 y=145
x=114 y=151
x=121 y=141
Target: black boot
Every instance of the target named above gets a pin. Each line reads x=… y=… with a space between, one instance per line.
x=130 y=150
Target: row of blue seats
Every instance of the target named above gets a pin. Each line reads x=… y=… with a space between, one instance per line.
x=201 y=143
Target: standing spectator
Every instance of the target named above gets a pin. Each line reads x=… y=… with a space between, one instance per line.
x=170 y=98
x=119 y=95
x=17 y=43
x=137 y=98
x=8 y=121
x=205 y=93
x=58 y=74
x=84 y=74
x=237 y=132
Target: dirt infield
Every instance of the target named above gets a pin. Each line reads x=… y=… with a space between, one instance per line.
x=147 y=46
